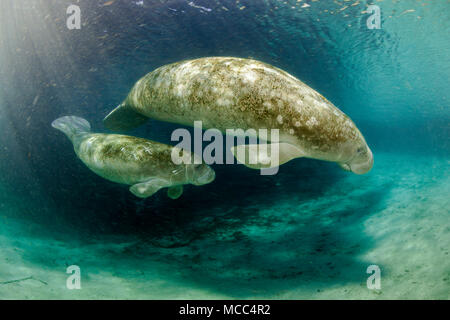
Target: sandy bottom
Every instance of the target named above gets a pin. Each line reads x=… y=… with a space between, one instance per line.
x=314 y=245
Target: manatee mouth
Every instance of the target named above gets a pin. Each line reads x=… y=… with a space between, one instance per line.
x=360 y=167
x=363 y=167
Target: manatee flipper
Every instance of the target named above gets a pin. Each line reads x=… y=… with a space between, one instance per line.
x=123 y=118
x=345 y=166
x=259 y=156
x=148 y=188
x=175 y=192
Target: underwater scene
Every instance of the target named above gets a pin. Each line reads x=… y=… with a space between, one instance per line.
x=120 y=177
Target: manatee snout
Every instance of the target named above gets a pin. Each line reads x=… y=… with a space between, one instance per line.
x=362 y=163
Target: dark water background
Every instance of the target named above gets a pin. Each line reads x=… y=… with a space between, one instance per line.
x=393 y=82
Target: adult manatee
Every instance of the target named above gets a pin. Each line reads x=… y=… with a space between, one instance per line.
x=226 y=93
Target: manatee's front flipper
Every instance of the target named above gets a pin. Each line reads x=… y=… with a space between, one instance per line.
x=123 y=118
x=266 y=155
x=149 y=187
x=345 y=166
x=175 y=192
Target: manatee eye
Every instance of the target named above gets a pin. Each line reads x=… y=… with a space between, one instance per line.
x=360 y=150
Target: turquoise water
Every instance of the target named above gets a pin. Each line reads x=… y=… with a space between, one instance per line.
x=309 y=232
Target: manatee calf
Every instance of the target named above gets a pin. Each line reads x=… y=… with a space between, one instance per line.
x=226 y=93
x=145 y=165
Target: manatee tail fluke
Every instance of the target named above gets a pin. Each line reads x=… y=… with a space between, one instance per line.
x=123 y=118
x=71 y=125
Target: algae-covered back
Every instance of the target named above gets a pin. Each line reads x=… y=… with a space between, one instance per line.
x=128 y=159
